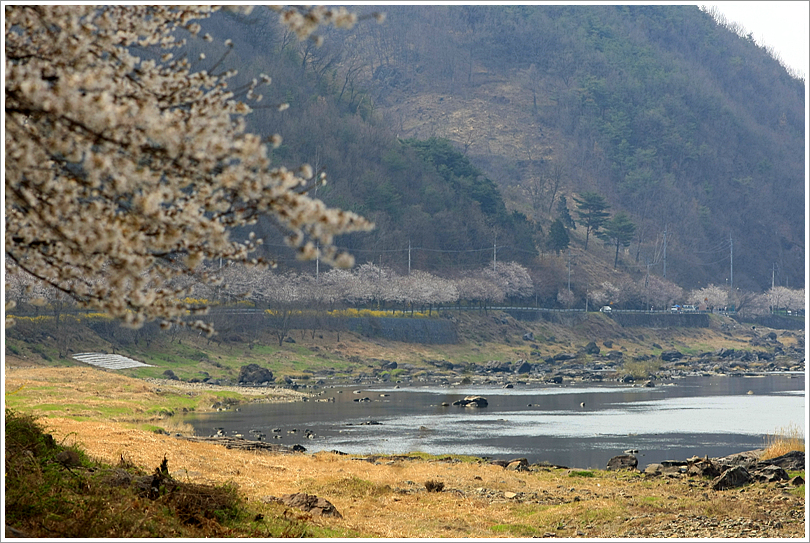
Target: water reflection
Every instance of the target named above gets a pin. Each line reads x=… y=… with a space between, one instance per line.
x=702 y=415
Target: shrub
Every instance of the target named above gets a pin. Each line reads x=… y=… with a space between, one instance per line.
x=641 y=369
x=56 y=491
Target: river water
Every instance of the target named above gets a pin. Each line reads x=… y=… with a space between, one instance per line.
x=714 y=416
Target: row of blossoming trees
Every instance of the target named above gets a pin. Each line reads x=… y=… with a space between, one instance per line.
x=371 y=286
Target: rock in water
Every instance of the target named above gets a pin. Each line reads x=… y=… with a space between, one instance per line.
x=472 y=401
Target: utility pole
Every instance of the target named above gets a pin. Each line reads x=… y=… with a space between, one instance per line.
x=647 y=283
x=317 y=262
x=773 y=275
x=665 y=251
x=409 y=256
x=569 y=272
x=495 y=253
x=731 y=263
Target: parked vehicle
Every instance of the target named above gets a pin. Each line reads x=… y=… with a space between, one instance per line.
x=675 y=308
x=689 y=308
x=606 y=309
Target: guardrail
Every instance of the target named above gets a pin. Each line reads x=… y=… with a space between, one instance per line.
x=215 y=310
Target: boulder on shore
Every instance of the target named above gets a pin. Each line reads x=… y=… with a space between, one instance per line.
x=732 y=478
x=254 y=374
x=770 y=474
x=591 y=348
x=622 y=461
x=671 y=356
x=793 y=460
x=313 y=504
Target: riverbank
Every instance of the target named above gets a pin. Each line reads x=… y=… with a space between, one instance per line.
x=387 y=496
x=492 y=346
x=133 y=415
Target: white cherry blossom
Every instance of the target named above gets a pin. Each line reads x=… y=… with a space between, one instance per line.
x=123 y=173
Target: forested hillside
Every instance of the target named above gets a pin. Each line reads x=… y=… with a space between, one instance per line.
x=458 y=130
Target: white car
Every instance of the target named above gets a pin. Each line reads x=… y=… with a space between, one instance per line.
x=606 y=309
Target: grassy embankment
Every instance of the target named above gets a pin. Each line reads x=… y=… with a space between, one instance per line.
x=216 y=492
x=345 y=355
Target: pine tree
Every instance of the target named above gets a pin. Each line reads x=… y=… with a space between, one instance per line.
x=619 y=231
x=557 y=237
x=563 y=214
x=592 y=212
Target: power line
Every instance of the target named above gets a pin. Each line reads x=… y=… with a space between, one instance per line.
x=720 y=247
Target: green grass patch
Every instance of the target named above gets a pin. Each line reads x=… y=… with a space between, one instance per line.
x=694 y=349
x=650 y=500
x=445 y=457
x=581 y=473
x=50 y=407
x=348 y=487
x=160 y=411
x=516 y=530
x=602 y=514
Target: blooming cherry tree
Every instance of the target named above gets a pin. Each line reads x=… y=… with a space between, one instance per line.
x=711 y=296
x=512 y=278
x=124 y=172
x=425 y=289
x=476 y=288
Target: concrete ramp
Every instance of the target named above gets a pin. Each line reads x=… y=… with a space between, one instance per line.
x=109 y=361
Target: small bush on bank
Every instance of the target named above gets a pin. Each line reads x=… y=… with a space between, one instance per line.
x=641 y=369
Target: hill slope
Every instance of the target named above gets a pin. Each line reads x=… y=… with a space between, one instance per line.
x=693 y=130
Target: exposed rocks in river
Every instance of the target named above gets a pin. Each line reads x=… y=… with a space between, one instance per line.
x=472 y=401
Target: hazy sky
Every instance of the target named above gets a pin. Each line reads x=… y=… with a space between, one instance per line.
x=781 y=25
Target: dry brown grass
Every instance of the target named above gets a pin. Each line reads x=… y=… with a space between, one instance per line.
x=386 y=497
x=784 y=440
